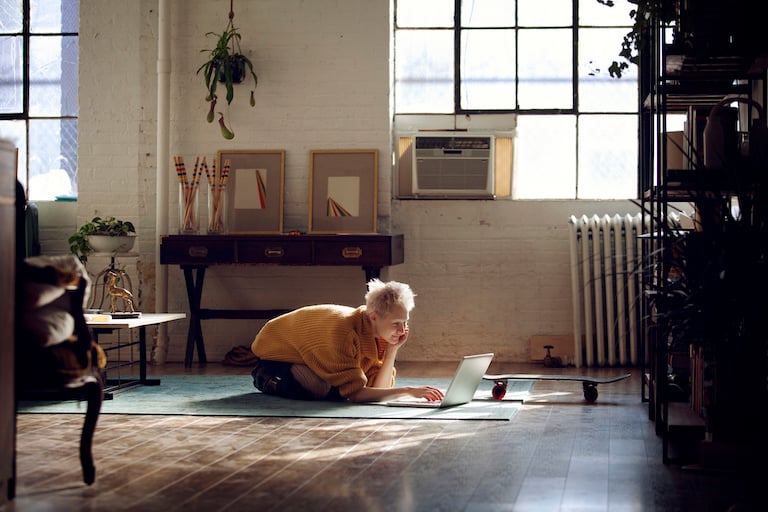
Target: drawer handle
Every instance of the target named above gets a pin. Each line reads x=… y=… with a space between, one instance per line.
x=198 y=251
x=274 y=252
x=351 y=252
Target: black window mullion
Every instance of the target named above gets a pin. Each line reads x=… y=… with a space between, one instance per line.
x=457 y=28
x=575 y=85
x=575 y=58
x=25 y=35
x=25 y=86
x=517 y=60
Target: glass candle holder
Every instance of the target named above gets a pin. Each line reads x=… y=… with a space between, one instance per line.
x=189 y=210
x=217 y=210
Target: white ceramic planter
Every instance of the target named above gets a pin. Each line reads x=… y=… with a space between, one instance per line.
x=111 y=244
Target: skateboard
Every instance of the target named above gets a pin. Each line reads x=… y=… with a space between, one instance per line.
x=588 y=383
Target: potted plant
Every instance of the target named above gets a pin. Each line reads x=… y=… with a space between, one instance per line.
x=705 y=29
x=107 y=234
x=709 y=300
x=226 y=64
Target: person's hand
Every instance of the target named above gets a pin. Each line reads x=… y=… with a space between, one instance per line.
x=401 y=339
x=428 y=392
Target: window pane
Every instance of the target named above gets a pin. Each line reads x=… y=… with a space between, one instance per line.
x=11 y=101
x=54 y=16
x=53 y=76
x=548 y=13
x=608 y=157
x=424 y=13
x=598 y=91
x=424 y=71
x=15 y=132
x=545 y=76
x=488 y=13
x=53 y=159
x=10 y=16
x=488 y=69
x=545 y=157
x=676 y=122
x=592 y=13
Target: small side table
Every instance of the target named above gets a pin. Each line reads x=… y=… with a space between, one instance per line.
x=146 y=319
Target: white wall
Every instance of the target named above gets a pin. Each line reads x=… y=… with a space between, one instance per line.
x=488 y=274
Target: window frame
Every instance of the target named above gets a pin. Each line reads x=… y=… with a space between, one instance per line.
x=576 y=110
x=458 y=29
x=27 y=38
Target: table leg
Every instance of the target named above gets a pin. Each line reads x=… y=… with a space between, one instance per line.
x=110 y=386
x=372 y=273
x=142 y=354
x=143 y=359
x=194 y=282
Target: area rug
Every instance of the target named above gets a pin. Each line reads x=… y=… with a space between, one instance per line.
x=234 y=395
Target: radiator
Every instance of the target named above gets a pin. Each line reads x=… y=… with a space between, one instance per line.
x=605 y=282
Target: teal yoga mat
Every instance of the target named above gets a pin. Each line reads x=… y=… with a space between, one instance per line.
x=234 y=395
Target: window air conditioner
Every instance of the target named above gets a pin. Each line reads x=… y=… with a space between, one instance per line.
x=439 y=165
x=453 y=166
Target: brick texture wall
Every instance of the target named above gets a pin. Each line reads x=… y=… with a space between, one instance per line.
x=488 y=274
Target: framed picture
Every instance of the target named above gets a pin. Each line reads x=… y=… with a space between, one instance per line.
x=343 y=191
x=254 y=192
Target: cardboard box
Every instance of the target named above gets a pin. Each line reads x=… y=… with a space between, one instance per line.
x=676 y=158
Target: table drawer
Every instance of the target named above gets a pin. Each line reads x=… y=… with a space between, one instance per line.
x=196 y=252
x=363 y=253
x=295 y=252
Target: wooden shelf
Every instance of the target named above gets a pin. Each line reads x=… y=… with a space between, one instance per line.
x=691 y=79
x=702 y=81
x=712 y=66
x=681 y=419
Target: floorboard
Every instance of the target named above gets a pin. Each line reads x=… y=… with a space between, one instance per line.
x=557 y=454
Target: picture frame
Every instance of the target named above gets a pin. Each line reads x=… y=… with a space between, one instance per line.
x=343 y=191
x=255 y=194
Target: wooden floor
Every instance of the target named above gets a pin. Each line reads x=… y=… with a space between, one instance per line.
x=556 y=454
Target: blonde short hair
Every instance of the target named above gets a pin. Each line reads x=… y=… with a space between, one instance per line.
x=381 y=297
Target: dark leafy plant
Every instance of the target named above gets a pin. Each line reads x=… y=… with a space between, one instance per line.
x=710 y=292
x=643 y=16
x=106 y=226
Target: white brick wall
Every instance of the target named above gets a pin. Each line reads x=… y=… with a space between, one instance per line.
x=488 y=274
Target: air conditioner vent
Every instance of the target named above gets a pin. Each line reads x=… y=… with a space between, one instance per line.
x=445 y=174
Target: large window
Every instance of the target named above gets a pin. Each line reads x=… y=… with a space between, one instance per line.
x=544 y=62
x=38 y=92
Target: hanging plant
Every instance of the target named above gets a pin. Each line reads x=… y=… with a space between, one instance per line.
x=226 y=65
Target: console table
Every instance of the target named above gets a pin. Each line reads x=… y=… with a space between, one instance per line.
x=195 y=253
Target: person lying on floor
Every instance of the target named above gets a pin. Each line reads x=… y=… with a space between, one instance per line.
x=334 y=352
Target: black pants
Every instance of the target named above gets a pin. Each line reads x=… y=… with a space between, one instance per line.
x=275 y=378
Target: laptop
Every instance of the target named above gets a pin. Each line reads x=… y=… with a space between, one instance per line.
x=462 y=388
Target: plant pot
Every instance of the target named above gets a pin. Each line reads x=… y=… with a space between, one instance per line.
x=111 y=244
x=235 y=65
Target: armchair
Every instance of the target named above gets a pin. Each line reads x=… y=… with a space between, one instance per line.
x=55 y=356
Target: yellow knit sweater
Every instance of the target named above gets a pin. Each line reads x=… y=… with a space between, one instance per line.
x=337 y=342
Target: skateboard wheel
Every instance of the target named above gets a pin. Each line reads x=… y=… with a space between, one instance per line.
x=590 y=393
x=499 y=390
